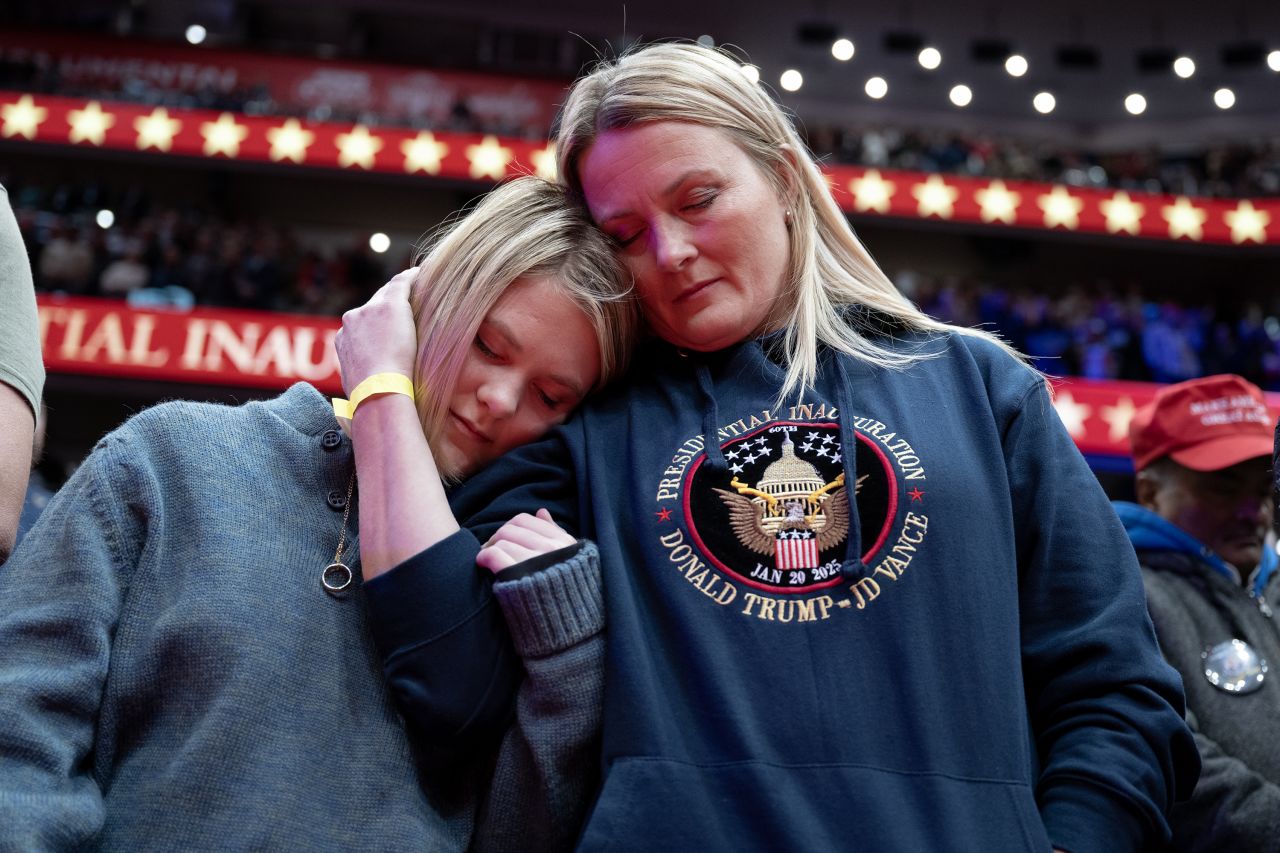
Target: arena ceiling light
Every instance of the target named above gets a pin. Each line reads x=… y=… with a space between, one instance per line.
x=929 y=58
x=961 y=95
x=751 y=72
x=1016 y=65
x=1273 y=60
x=379 y=242
x=196 y=34
x=1044 y=102
x=706 y=40
x=105 y=219
x=842 y=49
x=1136 y=104
x=1184 y=66
x=877 y=87
x=1224 y=98
x=791 y=80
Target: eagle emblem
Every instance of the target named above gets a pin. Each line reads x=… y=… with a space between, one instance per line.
x=791 y=514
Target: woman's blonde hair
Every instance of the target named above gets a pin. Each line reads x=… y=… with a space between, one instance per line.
x=829 y=268
x=526 y=227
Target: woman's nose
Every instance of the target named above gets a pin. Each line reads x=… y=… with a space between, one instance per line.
x=672 y=246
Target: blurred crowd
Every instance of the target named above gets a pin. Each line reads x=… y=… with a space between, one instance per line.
x=1103 y=330
x=257 y=99
x=160 y=255
x=1240 y=168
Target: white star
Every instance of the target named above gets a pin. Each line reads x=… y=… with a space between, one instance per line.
x=358 y=147
x=290 y=141
x=827 y=439
x=813 y=436
x=90 y=124
x=156 y=130
x=489 y=159
x=765 y=452
x=1185 y=219
x=737 y=469
x=998 y=203
x=423 y=153
x=544 y=163
x=1248 y=223
x=836 y=457
x=1123 y=214
x=872 y=192
x=1118 y=418
x=732 y=454
x=750 y=458
x=822 y=451
x=806 y=447
x=22 y=118
x=223 y=136
x=1072 y=414
x=1061 y=208
x=936 y=198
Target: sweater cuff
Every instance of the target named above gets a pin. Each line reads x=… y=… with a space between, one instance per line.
x=554 y=609
x=1083 y=818
x=427 y=595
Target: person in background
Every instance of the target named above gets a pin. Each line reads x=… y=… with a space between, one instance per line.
x=185 y=657
x=1205 y=506
x=21 y=373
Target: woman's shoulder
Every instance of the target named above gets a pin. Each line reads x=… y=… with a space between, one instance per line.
x=176 y=430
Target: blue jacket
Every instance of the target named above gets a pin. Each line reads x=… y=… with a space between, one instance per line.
x=956 y=656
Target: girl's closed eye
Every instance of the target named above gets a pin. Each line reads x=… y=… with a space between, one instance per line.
x=485 y=349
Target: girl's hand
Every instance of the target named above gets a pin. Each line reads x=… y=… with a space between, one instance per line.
x=379 y=336
x=520 y=538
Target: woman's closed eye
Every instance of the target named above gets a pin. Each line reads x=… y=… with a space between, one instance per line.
x=485 y=349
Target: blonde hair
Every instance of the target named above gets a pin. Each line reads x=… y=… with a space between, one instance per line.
x=526 y=227
x=829 y=267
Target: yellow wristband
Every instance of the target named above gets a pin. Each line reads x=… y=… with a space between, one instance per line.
x=378 y=383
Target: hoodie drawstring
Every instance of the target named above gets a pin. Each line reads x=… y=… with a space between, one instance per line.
x=852 y=567
x=710 y=420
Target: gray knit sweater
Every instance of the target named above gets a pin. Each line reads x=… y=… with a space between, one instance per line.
x=174 y=676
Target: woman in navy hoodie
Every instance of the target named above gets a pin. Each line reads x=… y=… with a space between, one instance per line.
x=862 y=590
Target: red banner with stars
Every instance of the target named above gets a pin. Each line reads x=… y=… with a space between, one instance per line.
x=1097 y=413
x=292 y=143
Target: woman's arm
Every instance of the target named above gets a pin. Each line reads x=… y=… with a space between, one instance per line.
x=1105 y=708
x=403 y=507
x=63 y=591
x=548 y=764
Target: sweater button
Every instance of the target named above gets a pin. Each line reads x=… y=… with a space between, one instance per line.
x=331 y=440
x=336 y=500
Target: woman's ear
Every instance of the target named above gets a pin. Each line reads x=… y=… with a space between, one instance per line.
x=788 y=169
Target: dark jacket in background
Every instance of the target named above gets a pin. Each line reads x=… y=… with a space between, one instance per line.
x=1197 y=601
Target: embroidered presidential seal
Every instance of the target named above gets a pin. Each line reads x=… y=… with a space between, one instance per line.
x=770 y=529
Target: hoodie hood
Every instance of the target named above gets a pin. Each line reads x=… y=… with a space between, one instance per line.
x=1151 y=532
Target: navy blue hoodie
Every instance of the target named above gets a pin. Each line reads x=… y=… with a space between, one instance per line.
x=898 y=616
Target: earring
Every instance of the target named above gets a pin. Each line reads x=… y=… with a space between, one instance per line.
x=786 y=217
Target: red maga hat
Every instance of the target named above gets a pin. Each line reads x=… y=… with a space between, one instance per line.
x=1205 y=424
